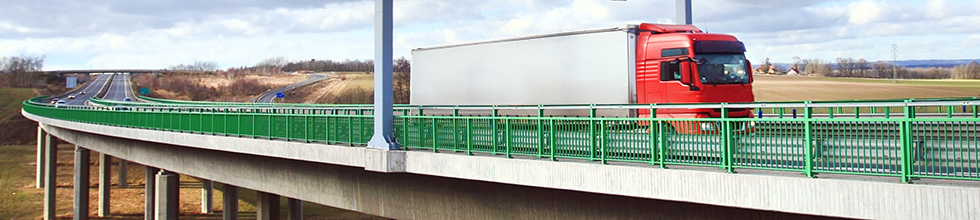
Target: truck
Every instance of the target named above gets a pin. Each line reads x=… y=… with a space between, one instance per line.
x=631 y=64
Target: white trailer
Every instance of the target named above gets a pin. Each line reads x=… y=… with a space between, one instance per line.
x=594 y=66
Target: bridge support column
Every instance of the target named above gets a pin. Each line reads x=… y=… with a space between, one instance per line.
x=150 y=192
x=123 y=173
x=105 y=181
x=167 y=195
x=295 y=209
x=81 y=183
x=50 y=176
x=384 y=136
x=40 y=157
x=268 y=206
x=207 y=196
x=229 y=202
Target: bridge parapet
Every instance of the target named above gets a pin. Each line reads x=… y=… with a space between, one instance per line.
x=906 y=139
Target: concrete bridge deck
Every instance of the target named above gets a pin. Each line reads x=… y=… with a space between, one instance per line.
x=427 y=185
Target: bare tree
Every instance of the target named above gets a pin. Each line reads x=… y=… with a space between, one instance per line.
x=966 y=71
x=201 y=66
x=22 y=71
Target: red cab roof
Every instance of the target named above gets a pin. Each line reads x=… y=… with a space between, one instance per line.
x=670 y=28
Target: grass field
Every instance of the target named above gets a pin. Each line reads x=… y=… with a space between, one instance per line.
x=791 y=88
x=11 y=99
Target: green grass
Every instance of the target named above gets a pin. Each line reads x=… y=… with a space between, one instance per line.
x=18 y=198
x=11 y=99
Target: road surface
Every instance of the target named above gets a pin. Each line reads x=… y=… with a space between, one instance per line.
x=91 y=88
x=120 y=89
x=269 y=96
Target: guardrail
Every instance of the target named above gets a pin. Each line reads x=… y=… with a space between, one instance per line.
x=865 y=141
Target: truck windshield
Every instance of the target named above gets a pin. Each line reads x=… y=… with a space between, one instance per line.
x=726 y=68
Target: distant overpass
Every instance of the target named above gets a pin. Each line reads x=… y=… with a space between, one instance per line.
x=93 y=71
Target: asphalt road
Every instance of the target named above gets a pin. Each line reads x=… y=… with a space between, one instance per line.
x=91 y=88
x=120 y=89
x=270 y=95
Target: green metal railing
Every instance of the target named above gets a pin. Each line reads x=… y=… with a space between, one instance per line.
x=915 y=139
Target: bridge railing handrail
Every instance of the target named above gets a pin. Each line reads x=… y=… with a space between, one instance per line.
x=904 y=145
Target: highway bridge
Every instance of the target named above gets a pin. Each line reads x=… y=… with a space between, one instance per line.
x=837 y=159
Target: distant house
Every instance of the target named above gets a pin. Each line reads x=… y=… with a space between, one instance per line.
x=793 y=72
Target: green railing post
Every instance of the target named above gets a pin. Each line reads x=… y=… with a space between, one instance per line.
x=808 y=137
x=435 y=135
x=906 y=139
x=592 y=132
x=507 y=138
x=602 y=141
x=662 y=143
x=469 y=136
x=494 y=129
x=551 y=139
x=405 y=121
x=455 y=129
x=727 y=144
x=540 y=132
x=654 y=130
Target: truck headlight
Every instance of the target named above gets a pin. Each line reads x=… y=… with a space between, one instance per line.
x=707 y=126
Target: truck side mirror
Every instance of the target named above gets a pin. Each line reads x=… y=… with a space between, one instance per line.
x=685 y=72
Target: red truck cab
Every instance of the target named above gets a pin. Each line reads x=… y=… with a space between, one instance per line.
x=682 y=64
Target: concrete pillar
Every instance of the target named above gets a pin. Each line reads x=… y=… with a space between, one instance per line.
x=150 y=194
x=295 y=209
x=50 y=176
x=123 y=174
x=207 y=196
x=40 y=157
x=167 y=195
x=384 y=133
x=268 y=206
x=81 y=183
x=105 y=181
x=229 y=202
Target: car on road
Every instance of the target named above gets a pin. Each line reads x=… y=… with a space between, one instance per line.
x=60 y=103
x=83 y=93
x=127 y=99
x=71 y=96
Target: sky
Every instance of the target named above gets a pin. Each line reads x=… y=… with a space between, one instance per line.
x=153 y=34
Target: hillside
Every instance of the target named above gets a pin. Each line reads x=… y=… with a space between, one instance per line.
x=15 y=128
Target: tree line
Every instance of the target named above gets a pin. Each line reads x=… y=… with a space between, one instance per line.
x=23 y=71
x=861 y=68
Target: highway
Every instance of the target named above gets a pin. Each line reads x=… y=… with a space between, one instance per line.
x=267 y=97
x=120 y=89
x=91 y=88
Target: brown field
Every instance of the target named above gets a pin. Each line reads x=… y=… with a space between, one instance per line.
x=792 y=88
x=326 y=91
x=20 y=200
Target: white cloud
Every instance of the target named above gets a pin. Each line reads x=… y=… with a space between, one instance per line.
x=864 y=12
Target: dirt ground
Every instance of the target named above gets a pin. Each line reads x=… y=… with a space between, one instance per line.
x=322 y=91
x=21 y=200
